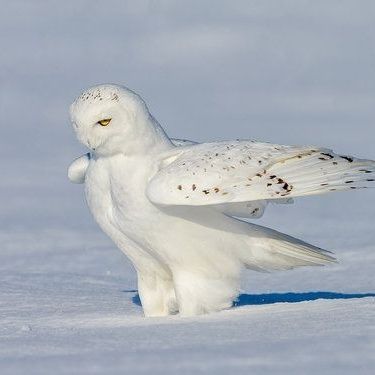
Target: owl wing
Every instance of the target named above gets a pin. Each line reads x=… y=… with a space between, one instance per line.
x=245 y=171
x=77 y=169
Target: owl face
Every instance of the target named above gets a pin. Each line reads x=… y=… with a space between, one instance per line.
x=108 y=118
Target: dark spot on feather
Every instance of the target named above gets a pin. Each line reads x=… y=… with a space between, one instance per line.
x=269 y=184
x=193 y=187
x=348 y=158
x=206 y=191
x=334 y=162
x=179 y=187
x=349 y=182
x=216 y=190
x=370 y=179
x=325 y=154
x=224 y=193
x=272 y=177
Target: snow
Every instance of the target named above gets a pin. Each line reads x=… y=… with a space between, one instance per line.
x=68 y=305
x=298 y=73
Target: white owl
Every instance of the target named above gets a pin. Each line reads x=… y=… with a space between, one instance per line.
x=173 y=207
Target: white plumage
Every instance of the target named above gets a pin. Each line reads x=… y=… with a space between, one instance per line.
x=173 y=206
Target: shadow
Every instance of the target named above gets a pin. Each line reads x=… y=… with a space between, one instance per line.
x=267 y=299
x=135 y=299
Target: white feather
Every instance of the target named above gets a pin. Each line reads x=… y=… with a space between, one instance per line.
x=77 y=169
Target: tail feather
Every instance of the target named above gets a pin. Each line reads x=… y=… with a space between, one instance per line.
x=272 y=250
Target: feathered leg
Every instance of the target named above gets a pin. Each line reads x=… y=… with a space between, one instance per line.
x=157 y=294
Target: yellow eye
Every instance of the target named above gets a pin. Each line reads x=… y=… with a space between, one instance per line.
x=104 y=122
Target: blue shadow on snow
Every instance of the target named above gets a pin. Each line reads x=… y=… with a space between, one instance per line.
x=267 y=299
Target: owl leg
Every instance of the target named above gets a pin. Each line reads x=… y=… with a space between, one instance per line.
x=157 y=294
x=200 y=294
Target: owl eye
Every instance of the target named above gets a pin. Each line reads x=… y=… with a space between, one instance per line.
x=104 y=122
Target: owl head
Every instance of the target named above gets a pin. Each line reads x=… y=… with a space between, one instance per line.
x=110 y=119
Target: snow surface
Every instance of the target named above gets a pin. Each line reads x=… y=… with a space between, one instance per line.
x=298 y=72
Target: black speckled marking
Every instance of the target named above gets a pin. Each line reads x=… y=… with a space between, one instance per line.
x=328 y=155
x=348 y=158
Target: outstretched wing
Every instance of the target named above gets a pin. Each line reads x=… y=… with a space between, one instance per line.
x=243 y=171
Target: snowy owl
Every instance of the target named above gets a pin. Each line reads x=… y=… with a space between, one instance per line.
x=174 y=207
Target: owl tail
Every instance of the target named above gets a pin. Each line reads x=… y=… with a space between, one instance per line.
x=270 y=250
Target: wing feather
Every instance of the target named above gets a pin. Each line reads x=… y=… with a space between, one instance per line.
x=244 y=171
